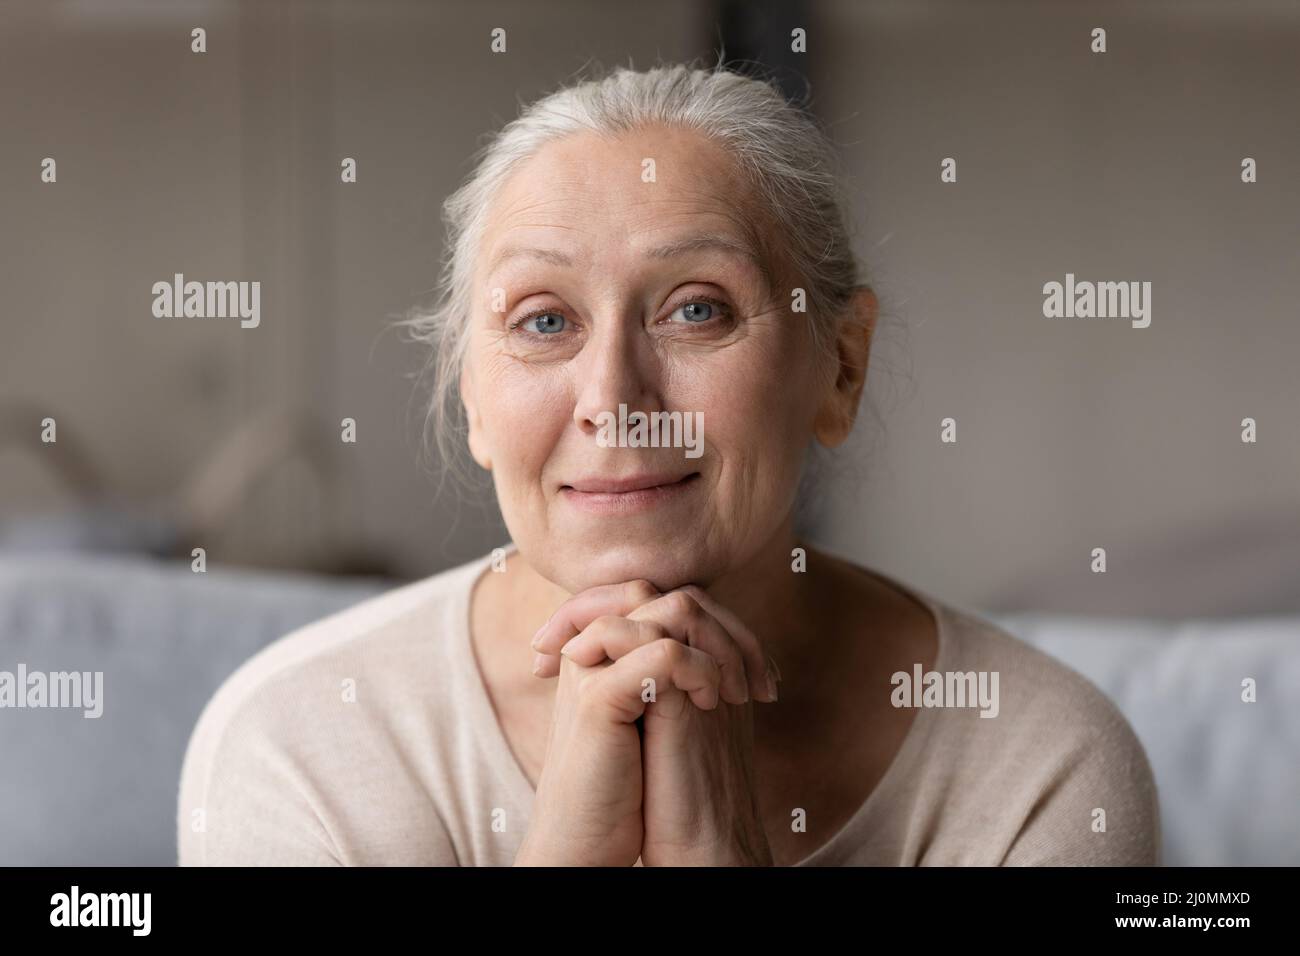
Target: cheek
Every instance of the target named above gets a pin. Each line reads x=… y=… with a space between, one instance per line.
x=523 y=412
x=756 y=428
x=754 y=404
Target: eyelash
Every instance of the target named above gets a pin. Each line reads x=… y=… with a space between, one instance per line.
x=707 y=300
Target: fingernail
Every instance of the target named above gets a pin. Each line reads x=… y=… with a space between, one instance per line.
x=771 y=664
x=538 y=661
x=771 y=686
x=545 y=624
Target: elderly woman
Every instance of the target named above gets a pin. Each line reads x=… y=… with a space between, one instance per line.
x=657 y=670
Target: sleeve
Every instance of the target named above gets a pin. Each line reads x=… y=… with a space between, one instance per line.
x=1097 y=806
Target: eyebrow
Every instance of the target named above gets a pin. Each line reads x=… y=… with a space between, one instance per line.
x=668 y=251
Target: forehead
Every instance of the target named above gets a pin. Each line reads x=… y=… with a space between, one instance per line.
x=590 y=191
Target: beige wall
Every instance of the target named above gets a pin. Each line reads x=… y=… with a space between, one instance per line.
x=1075 y=434
x=1071 y=435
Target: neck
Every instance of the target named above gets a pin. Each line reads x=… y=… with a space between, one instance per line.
x=774 y=600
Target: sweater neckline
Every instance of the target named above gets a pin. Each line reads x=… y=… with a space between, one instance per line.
x=488 y=728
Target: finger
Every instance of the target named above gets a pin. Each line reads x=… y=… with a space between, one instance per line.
x=677 y=616
x=685 y=619
x=669 y=663
x=758 y=663
x=611 y=637
x=577 y=613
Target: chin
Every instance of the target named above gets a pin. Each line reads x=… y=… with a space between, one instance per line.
x=666 y=564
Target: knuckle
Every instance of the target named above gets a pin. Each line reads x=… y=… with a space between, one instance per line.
x=605 y=623
x=694 y=590
x=651 y=631
x=685 y=606
x=640 y=591
x=670 y=652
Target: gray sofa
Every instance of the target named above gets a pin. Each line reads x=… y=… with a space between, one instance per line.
x=103 y=791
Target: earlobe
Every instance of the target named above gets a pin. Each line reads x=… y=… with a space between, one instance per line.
x=839 y=409
x=476 y=442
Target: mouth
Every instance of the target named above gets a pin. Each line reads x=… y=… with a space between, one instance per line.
x=616 y=486
x=624 y=495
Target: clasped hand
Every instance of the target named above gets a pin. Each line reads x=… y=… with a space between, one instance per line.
x=650 y=751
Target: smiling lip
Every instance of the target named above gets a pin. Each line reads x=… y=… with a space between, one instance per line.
x=615 y=486
x=623 y=495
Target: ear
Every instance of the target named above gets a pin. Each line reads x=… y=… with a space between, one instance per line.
x=839 y=408
x=477 y=440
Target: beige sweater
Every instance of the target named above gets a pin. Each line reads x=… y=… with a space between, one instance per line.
x=368 y=738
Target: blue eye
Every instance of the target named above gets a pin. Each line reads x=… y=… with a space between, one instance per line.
x=697 y=311
x=545 y=323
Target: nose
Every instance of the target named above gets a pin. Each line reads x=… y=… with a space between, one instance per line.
x=615 y=367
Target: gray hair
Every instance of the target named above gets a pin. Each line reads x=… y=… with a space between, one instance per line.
x=776 y=143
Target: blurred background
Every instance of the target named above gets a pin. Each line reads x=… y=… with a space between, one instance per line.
x=1072 y=434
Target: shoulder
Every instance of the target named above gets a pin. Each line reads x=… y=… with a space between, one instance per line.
x=415 y=618
x=295 y=715
x=1038 y=694
x=1056 y=768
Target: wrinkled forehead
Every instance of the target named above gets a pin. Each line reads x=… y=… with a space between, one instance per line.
x=588 y=194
